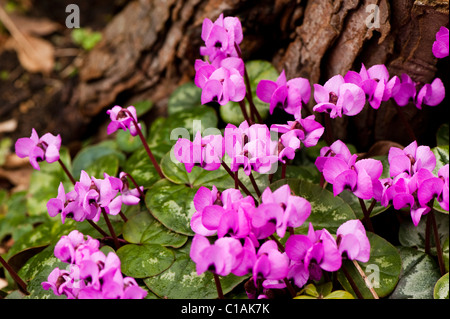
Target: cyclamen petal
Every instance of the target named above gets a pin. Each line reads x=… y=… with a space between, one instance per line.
x=441 y=45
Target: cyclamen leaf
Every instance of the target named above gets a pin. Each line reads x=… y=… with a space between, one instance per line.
x=327 y=211
x=418 y=277
x=185 y=97
x=143 y=228
x=441 y=290
x=181 y=281
x=141 y=261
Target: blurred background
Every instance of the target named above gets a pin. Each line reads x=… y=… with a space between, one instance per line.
x=62 y=80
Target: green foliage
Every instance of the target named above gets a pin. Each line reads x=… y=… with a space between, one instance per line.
x=86 y=38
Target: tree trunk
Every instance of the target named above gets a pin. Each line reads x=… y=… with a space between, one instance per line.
x=149 y=48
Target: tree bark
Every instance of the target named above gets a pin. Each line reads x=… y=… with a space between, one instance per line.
x=149 y=48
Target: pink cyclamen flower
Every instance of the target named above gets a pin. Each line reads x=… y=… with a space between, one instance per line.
x=96 y=195
x=129 y=196
x=67 y=205
x=250 y=147
x=338 y=149
x=282 y=209
x=338 y=98
x=440 y=46
x=310 y=253
x=375 y=82
x=405 y=91
x=270 y=263
x=91 y=274
x=221 y=83
x=352 y=240
x=123 y=118
x=221 y=37
x=344 y=172
x=38 y=149
x=221 y=258
x=410 y=159
x=431 y=94
x=205 y=152
x=286 y=95
x=307 y=131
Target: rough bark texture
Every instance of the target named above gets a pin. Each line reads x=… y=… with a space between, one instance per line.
x=149 y=48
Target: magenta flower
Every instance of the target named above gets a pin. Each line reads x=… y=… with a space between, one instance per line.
x=128 y=196
x=375 y=82
x=405 y=91
x=440 y=46
x=338 y=149
x=310 y=253
x=38 y=149
x=270 y=263
x=361 y=177
x=221 y=37
x=431 y=94
x=287 y=95
x=352 y=240
x=97 y=194
x=224 y=214
x=221 y=84
x=306 y=131
x=220 y=258
x=122 y=118
x=411 y=159
x=67 y=205
x=337 y=97
x=281 y=209
x=205 y=152
x=91 y=274
x=250 y=147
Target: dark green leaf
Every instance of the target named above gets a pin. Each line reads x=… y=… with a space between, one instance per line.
x=128 y=143
x=141 y=261
x=442 y=138
x=185 y=97
x=143 y=228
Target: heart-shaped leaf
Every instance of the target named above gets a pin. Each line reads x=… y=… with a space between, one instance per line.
x=382 y=270
x=185 y=97
x=141 y=261
x=172 y=205
x=181 y=281
x=143 y=228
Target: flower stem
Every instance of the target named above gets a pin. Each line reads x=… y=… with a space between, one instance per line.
x=248 y=93
x=244 y=112
x=66 y=171
x=352 y=283
x=122 y=215
x=437 y=242
x=290 y=288
x=428 y=236
x=144 y=142
x=366 y=213
x=283 y=170
x=136 y=185
x=15 y=276
x=111 y=229
x=366 y=280
x=242 y=186
x=101 y=231
x=255 y=186
x=218 y=286
x=329 y=136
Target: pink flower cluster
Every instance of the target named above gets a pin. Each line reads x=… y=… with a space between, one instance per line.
x=342 y=169
x=91 y=195
x=347 y=95
x=244 y=242
x=221 y=79
x=412 y=182
x=38 y=149
x=90 y=274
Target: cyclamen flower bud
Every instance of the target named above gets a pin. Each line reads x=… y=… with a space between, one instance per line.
x=123 y=119
x=38 y=149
